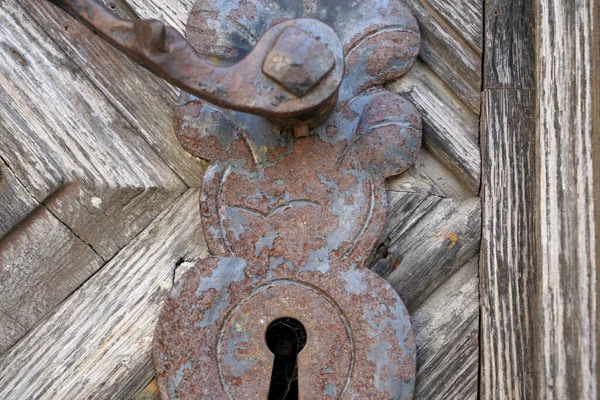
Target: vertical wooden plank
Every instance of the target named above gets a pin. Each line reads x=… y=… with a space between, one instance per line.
x=509 y=44
x=540 y=250
x=508 y=244
x=508 y=250
x=568 y=39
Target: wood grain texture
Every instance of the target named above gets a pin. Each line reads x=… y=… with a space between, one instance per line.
x=63 y=145
x=427 y=239
x=145 y=101
x=16 y=202
x=510 y=53
x=508 y=245
x=101 y=335
x=59 y=128
x=465 y=17
x=28 y=289
x=450 y=129
x=448 y=341
x=540 y=239
x=448 y=54
x=567 y=338
x=428 y=176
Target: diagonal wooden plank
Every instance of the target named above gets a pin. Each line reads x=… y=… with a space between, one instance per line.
x=64 y=146
x=58 y=128
x=427 y=239
x=447 y=53
x=450 y=130
x=428 y=176
x=447 y=335
x=145 y=100
x=28 y=288
x=16 y=203
x=100 y=336
x=465 y=17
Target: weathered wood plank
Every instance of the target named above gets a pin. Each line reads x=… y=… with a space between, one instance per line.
x=510 y=53
x=447 y=335
x=508 y=245
x=41 y=263
x=448 y=54
x=15 y=202
x=428 y=176
x=145 y=100
x=427 y=239
x=100 y=337
x=58 y=128
x=450 y=130
x=465 y=17
x=569 y=55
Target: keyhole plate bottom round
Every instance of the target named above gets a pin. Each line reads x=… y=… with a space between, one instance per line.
x=210 y=339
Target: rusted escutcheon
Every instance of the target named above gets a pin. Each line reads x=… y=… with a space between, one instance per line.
x=291 y=220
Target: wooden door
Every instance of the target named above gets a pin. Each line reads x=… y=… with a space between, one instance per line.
x=99 y=207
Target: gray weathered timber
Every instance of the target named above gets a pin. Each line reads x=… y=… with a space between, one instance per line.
x=510 y=53
x=450 y=129
x=65 y=147
x=448 y=54
x=100 y=336
x=16 y=202
x=145 y=100
x=29 y=290
x=508 y=255
x=448 y=341
x=540 y=177
x=61 y=129
x=508 y=244
x=567 y=78
x=427 y=238
x=428 y=176
x=465 y=17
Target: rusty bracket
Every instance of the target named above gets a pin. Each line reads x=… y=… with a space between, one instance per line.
x=291 y=75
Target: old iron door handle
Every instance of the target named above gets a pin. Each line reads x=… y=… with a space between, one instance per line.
x=291 y=76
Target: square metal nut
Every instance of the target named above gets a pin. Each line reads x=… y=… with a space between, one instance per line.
x=298 y=61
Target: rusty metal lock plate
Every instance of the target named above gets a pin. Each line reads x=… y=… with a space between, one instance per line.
x=290 y=221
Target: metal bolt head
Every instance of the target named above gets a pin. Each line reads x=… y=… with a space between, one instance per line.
x=298 y=61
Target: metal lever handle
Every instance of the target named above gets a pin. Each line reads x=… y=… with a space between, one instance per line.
x=291 y=76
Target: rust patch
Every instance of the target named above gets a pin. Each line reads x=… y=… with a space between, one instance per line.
x=245 y=9
x=450 y=240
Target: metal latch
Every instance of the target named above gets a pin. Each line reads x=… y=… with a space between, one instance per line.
x=292 y=204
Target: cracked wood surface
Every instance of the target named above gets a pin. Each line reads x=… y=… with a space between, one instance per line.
x=109 y=320
x=95 y=132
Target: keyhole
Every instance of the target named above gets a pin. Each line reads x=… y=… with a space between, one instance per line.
x=286 y=337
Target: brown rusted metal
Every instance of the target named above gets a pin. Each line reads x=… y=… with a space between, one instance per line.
x=303 y=56
x=290 y=216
